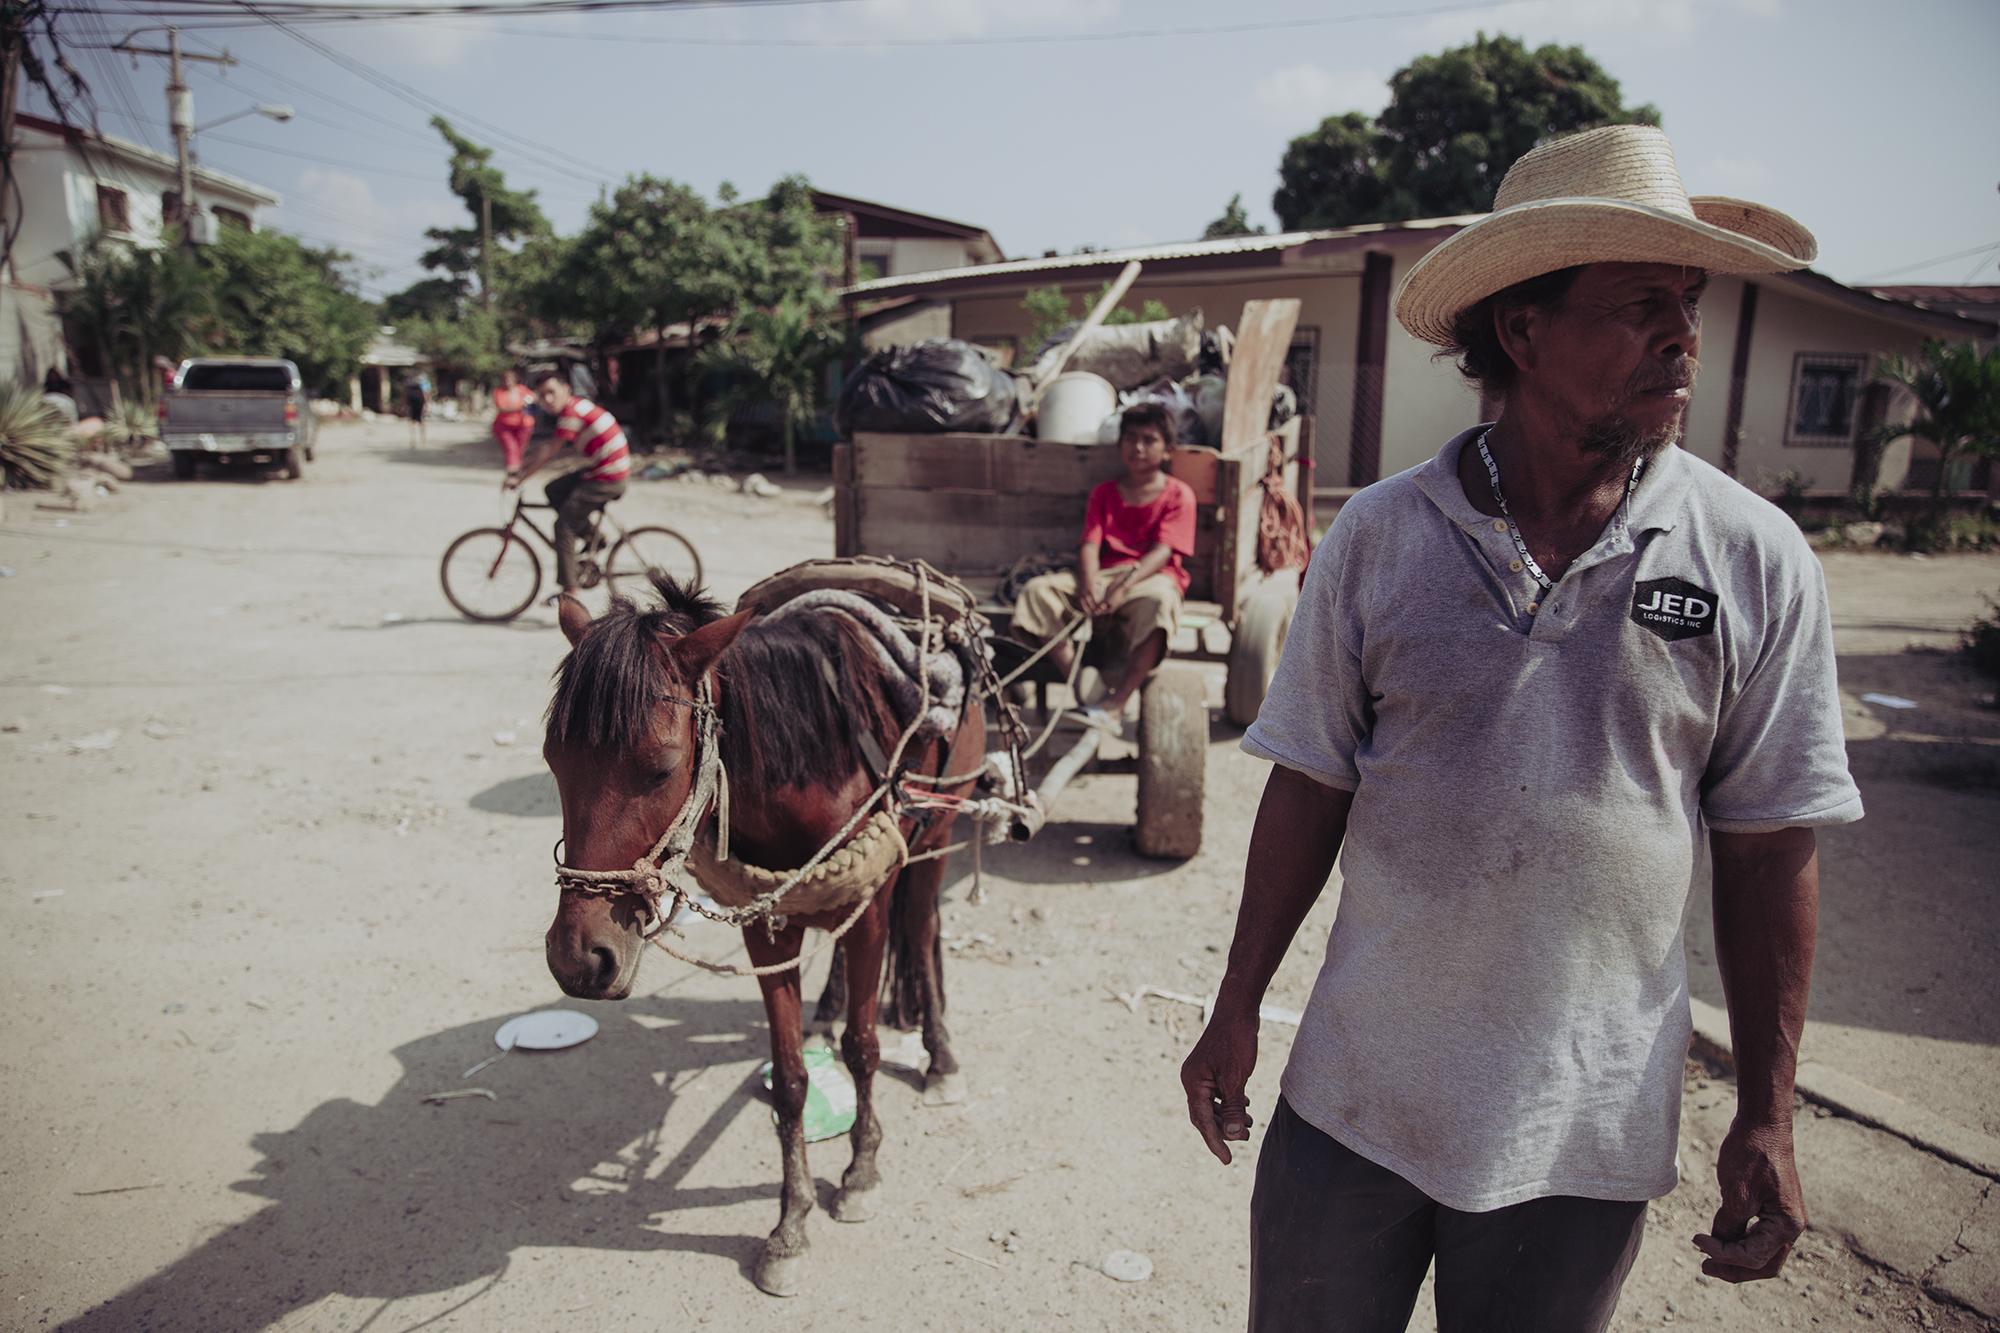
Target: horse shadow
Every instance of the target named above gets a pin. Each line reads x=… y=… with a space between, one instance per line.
x=401 y=1199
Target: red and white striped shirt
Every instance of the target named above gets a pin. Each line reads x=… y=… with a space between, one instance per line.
x=596 y=435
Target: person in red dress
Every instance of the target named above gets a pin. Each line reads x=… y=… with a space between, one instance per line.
x=1129 y=578
x=511 y=423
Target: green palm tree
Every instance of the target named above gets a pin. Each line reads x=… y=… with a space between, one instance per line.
x=774 y=356
x=135 y=303
x=1956 y=386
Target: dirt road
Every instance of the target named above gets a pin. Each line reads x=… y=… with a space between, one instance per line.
x=277 y=846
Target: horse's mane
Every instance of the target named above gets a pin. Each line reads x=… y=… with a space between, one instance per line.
x=782 y=725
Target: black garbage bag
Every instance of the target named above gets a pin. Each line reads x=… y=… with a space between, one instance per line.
x=940 y=384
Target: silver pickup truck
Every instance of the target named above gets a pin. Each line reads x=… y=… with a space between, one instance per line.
x=237 y=410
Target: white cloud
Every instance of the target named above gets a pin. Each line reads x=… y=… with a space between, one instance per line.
x=1299 y=96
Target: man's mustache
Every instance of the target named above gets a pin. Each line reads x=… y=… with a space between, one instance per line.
x=1682 y=376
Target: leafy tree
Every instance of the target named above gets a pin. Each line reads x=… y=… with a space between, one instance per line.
x=274 y=296
x=1956 y=386
x=775 y=355
x=654 y=255
x=1233 y=222
x=132 y=304
x=1454 y=124
x=426 y=298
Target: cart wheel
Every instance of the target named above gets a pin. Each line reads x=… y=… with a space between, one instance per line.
x=1262 y=623
x=1173 y=755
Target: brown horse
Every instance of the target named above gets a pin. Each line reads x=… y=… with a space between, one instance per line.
x=623 y=745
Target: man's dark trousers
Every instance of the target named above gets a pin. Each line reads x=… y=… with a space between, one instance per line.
x=1340 y=1245
x=576 y=500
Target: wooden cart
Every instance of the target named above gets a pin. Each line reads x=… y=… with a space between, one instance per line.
x=973 y=505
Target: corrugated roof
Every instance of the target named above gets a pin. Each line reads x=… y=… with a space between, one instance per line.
x=1227 y=246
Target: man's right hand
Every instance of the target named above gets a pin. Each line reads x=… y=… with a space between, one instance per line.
x=1216 y=1076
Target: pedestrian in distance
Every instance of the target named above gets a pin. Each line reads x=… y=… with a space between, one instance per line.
x=1129 y=579
x=512 y=423
x=577 y=496
x=416 y=403
x=1524 y=679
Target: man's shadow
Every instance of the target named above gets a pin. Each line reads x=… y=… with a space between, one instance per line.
x=403 y=1199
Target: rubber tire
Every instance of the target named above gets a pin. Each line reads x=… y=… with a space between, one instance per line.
x=621 y=568
x=444 y=575
x=295 y=466
x=185 y=465
x=1262 y=623
x=1173 y=762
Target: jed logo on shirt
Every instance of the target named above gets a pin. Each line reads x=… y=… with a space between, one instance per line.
x=1673 y=608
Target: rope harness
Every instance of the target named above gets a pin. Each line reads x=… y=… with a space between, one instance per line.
x=663 y=882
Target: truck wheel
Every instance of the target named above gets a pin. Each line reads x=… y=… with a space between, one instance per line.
x=295 y=466
x=1173 y=758
x=184 y=465
x=1255 y=643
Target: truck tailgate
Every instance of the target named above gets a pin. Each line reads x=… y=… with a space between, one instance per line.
x=220 y=413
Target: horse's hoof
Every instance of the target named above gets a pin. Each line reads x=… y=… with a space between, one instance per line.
x=780 y=1275
x=944 y=1089
x=853 y=1205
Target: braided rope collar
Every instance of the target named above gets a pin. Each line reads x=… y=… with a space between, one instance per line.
x=654 y=875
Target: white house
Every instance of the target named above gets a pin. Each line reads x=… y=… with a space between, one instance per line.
x=76 y=185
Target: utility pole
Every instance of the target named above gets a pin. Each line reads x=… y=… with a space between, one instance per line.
x=485 y=248
x=180 y=115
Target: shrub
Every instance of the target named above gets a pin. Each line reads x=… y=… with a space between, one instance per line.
x=35 y=443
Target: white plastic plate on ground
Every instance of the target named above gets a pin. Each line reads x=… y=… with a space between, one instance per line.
x=546 y=1030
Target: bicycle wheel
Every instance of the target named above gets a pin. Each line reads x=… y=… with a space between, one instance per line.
x=644 y=550
x=490 y=575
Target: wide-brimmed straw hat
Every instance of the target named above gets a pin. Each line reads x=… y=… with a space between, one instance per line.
x=1604 y=196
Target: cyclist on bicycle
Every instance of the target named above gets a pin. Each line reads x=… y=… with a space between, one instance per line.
x=578 y=495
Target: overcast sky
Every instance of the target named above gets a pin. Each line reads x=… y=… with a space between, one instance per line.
x=1873 y=124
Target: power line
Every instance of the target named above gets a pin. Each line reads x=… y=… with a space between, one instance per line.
x=290 y=11
x=1931 y=263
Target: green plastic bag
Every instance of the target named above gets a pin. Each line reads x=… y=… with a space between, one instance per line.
x=829 y=1094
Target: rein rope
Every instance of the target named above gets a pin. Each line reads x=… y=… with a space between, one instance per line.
x=662 y=872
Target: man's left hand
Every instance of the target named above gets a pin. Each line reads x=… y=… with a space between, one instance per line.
x=1763 y=1211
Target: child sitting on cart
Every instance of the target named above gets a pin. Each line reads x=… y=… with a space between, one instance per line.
x=1129 y=578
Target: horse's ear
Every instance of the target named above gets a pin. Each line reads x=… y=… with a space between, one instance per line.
x=573 y=618
x=696 y=651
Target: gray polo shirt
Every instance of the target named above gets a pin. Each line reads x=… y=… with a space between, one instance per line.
x=1503 y=1013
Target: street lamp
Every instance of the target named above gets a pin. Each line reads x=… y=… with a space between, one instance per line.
x=269 y=110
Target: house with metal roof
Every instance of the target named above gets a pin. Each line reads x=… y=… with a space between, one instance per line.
x=1785 y=390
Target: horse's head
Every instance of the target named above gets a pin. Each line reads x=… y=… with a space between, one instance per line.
x=622 y=742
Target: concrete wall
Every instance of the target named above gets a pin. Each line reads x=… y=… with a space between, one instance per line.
x=1790 y=322
x=919 y=255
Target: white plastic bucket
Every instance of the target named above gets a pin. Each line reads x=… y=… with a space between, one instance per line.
x=1074 y=406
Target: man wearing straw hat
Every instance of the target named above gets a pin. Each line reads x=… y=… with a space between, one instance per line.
x=1523 y=679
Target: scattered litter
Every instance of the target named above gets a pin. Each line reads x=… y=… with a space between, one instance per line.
x=175 y=1008
x=6 y=571
x=1010 y=1241
x=546 y=1030
x=504 y=738
x=830 y=1096
x=50 y=893
x=159 y=731
x=458 y=1093
x=975 y=1258
x=96 y=740
x=119 y=1189
x=56 y=689
x=1889 y=700
x=1126 y=1266
x=759 y=485
x=1270 y=1013
x=256 y=1004
x=402 y=826
x=16 y=725
x=392 y=617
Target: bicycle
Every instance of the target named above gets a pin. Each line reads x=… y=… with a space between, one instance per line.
x=492 y=575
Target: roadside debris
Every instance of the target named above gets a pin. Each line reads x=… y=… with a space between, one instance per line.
x=458 y=1093
x=1270 y=1013
x=118 y=1189
x=975 y=1258
x=1888 y=700
x=830 y=1095
x=96 y=740
x=762 y=487
x=504 y=738
x=1126 y=1266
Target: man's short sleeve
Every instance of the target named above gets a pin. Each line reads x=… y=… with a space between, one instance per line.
x=1177 y=518
x=1317 y=713
x=568 y=425
x=1780 y=753
x=1097 y=513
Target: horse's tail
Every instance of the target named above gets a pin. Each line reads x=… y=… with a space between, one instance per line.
x=912 y=918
